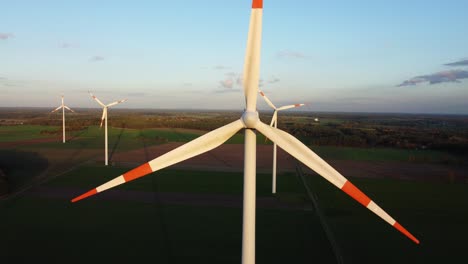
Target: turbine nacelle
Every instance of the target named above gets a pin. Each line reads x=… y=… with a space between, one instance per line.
x=250 y=119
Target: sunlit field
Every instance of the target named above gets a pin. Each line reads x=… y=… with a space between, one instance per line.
x=193 y=212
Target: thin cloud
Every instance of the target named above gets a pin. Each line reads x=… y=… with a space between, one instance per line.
x=137 y=94
x=227 y=83
x=234 y=80
x=273 y=79
x=97 y=58
x=458 y=63
x=231 y=80
x=221 y=67
x=291 y=54
x=67 y=45
x=5 y=36
x=239 y=80
x=220 y=91
x=4 y=81
x=438 y=77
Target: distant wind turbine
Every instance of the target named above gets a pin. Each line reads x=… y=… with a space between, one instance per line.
x=250 y=122
x=104 y=117
x=274 y=123
x=63 y=107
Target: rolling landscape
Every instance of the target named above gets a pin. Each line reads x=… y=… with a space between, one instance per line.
x=233 y=132
x=419 y=172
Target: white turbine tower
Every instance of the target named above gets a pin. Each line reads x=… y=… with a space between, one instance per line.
x=104 y=118
x=63 y=107
x=274 y=123
x=250 y=122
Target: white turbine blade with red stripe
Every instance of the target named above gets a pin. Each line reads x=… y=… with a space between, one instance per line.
x=104 y=113
x=117 y=102
x=267 y=100
x=60 y=107
x=252 y=56
x=96 y=99
x=66 y=107
x=191 y=149
x=298 y=150
x=290 y=106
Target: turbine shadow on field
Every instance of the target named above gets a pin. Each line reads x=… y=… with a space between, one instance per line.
x=79 y=134
x=158 y=205
x=111 y=155
x=12 y=163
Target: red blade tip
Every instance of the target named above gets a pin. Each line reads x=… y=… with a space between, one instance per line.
x=257 y=3
x=405 y=232
x=92 y=192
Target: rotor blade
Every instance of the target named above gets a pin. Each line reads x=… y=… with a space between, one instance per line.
x=60 y=107
x=267 y=100
x=289 y=106
x=274 y=118
x=117 y=102
x=252 y=56
x=104 y=113
x=96 y=99
x=68 y=108
x=294 y=147
x=191 y=149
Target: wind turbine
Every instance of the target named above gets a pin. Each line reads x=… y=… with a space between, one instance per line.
x=104 y=117
x=63 y=107
x=274 y=122
x=250 y=122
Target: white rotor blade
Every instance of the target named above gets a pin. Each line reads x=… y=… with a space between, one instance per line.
x=96 y=99
x=252 y=57
x=68 y=108
x=298 y=150
x=274 y=118
x=104 y=113
x=60 y=107
x=289 y=106
x=267 y=100
x=191 y=149
x=116 y=102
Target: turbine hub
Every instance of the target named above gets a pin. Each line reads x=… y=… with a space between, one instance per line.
x=250 y=119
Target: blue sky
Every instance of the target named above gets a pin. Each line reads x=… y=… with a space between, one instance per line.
x=366 y=56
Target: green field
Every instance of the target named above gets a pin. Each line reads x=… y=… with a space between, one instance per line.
x=434 y=212
x=24 y=132
x=384 y=154
x=41 y=225
x=93 y=137
x=102 y=229
x=121 y=139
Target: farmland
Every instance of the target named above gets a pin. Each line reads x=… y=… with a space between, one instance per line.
x=192 y=211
